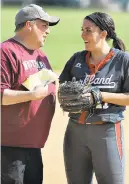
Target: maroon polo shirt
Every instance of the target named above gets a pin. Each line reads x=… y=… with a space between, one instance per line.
x=24 y=124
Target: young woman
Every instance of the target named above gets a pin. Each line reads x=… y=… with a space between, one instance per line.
x=95 y=143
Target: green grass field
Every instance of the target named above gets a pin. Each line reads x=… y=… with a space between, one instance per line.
x=63 y=41
x=65 y=38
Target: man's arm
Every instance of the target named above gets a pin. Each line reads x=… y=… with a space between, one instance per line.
x=10 y=97
x=13 y=97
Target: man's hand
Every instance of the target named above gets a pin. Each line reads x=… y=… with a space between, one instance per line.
x=41 y=91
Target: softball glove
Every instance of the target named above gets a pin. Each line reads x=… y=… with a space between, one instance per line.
x=75 y=97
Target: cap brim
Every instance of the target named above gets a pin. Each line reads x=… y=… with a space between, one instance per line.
x=51 y=19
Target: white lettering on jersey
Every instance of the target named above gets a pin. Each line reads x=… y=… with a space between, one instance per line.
x=33 y=64
x=100 y=82
x=105 y=106
x=78 y=65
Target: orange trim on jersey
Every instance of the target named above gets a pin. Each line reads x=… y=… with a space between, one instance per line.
x=93 y=70
x=82 y=117
x=118 y=138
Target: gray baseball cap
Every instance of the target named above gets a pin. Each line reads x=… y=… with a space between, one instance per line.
x=33 y=11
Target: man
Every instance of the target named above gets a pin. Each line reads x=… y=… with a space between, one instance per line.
x=26 y=115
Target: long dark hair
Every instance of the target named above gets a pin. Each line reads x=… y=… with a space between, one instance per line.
x=105 y=22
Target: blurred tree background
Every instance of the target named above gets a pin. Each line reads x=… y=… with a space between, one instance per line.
x=123 y=4
x=65 y=38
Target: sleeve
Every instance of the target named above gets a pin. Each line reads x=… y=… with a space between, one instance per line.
x=66 y=73
x=125 y=86
x=7 y=72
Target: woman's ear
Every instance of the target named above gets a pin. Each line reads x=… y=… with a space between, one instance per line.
x=104 y=34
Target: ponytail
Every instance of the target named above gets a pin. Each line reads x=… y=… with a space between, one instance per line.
x=118 y=44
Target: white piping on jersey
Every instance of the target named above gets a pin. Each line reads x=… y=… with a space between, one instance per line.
x=104 y=87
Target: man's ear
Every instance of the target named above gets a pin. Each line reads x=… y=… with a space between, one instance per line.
x=29 y=25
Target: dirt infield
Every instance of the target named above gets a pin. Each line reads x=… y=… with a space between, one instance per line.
x=52 y=153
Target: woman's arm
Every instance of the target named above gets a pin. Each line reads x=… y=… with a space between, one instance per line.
x=116 y=98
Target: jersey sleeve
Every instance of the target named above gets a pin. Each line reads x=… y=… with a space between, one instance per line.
x=66 y=73
x=125 y=86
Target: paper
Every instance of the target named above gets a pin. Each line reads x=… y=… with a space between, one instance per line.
x=42 y=77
